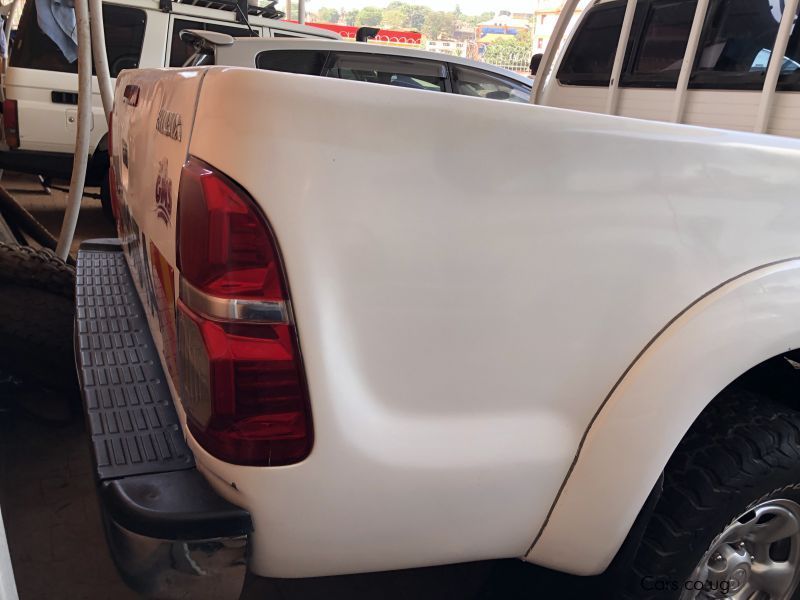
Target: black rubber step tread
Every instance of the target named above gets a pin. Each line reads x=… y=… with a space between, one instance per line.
x=173 y=506
x=130 y=413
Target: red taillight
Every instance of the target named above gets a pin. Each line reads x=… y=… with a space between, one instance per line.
x=11 y=123
x=236 y=256
x=242 y=380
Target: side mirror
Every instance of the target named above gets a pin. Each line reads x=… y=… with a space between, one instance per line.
x=535 y=62
x=366 y=33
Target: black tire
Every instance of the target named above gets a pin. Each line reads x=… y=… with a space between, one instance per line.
x=105 y=198
x=37 y=312
x=743 y=450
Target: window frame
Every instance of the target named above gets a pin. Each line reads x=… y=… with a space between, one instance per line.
x=642 y=19
x=790 y=82
x=29 y=18
x=258 y=55
x=711 y=80
x=585 y=82
x=451 y=73
x=755 y=83
x=334 y=54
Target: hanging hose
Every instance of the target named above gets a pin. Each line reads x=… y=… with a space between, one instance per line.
x=7 y=30
x=100 y=56
x=84 y=129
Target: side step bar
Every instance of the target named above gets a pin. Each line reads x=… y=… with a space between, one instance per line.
x=170 y=534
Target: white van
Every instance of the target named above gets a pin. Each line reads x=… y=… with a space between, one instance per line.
x=40 y=110
x=727 y=71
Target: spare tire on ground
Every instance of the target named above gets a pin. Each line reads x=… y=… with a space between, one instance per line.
x=37 y=312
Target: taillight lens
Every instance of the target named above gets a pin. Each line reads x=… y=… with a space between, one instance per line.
x=242 y=381
x=236 y=257
x=11 y=123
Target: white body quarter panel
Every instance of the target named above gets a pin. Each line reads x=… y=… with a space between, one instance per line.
x=470 y=278
x=720 y=337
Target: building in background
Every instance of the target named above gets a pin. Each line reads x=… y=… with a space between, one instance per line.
x=449 y=47
x=545 y=18
x=503 y=24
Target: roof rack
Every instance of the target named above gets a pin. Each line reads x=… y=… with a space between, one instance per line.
x=240 y=7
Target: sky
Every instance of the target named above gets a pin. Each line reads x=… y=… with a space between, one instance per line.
x=470 y=7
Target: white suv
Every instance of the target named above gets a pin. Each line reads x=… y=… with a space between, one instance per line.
x=400 y=67
x=725 y=65
x=40 y=110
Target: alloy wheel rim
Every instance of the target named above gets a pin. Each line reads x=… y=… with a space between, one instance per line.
x=756 y=557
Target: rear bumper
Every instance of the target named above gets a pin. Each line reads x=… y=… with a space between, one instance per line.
x=170 y=534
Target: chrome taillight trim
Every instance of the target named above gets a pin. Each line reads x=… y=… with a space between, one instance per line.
x=234 y=309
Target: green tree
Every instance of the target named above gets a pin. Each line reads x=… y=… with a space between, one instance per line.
x=474 y=20
x=524 y=37
x=369 y=17
x=414 y=14
x=439 y=24
x=394 y=18
x=328 y=15
x=350 y=17
x=417 y=16
x=508 y=51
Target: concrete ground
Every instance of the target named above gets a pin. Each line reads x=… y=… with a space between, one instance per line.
x=53 y=522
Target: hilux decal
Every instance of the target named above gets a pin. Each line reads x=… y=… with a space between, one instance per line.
x=170 y=124
x=164 y=192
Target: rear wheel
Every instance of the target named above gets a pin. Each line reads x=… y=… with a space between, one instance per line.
x=105 y=198
x=37 y=309
x=728 y=522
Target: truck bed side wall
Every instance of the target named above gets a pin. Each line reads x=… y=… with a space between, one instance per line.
x=470 y=279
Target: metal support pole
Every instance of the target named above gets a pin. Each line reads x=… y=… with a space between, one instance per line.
x=301 y=11
x=775 y=66
x=552 y=47
x=84 y=129
x=619 y=58
x=288 y=10
x=681 y=89
x=100 y=56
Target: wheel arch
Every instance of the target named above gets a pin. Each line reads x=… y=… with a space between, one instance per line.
x=97 y=169
x=736 y=334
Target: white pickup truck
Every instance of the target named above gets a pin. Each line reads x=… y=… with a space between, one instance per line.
x=351 y=328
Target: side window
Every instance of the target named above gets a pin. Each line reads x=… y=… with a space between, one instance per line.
x=662 y=44
x=282 y=34
x=388 y=70
x=590 y=56
x=180 y=51
x=473 y=82
x=124 y=27
x=304 y=62
x=735 y=50
x=790 y=69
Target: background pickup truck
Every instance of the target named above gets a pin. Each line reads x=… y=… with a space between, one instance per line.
x=380 y=328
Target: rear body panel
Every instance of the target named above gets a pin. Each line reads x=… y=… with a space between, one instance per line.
x=469 y=280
